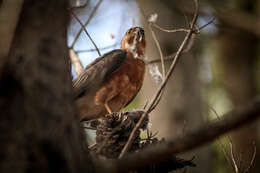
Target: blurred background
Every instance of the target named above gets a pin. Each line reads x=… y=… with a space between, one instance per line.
x=220 y=72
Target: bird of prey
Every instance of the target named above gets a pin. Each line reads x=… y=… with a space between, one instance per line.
x=113 y=80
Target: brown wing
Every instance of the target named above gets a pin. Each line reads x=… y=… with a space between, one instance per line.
x=96 y=72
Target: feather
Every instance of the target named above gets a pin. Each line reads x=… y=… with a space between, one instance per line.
x=97 y=71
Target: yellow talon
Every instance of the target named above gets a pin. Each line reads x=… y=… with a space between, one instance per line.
x=108 y=108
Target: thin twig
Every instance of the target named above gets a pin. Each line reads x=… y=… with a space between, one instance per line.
x=167 y=58
x=86 y=23
x=102 y=48
x=92 y=146
x=239 y=160
x=229 y=160
x=186 y=19
x=75 y=61
x=173 y=65
x=80 y=6
x=252 y=160
x=85 y=30
x=159 y=49
x=205 y=25
x=161 y=58
x=233 y=158
x=171 y=57
x=155 y=40
x=170 y=30
x=233 y=17
x=89 y=128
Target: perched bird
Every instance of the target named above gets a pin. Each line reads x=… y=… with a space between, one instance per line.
x=113 y=80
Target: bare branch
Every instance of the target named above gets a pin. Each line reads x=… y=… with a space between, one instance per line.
x=167 y=58
x=252 y=160
x=159 y=49
x=170 y=30
x=204 y=26
x=78 y=67
x=172 y=67
x=234 y=17
x=150 y=23
x=236 y=163
x=102 y=48
x=171 y=57
x=228 y=157
x=233 y=158
x=191 y=140
x=85 y=30
x=229 y=160
x=80 y=6
x=86 y=23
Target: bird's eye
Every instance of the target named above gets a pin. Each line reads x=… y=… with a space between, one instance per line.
x=129 y=31
x=142 y=31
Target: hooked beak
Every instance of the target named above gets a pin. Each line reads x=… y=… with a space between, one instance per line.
x=140 y=33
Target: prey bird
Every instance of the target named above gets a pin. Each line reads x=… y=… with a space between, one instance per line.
x=113 y=80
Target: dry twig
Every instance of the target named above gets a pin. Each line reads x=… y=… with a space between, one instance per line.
x=102 y=48
x=236 y=169
x=229 y=158
x=80 y=6
x=171 y=57
x=85 y=30
x=170 y=30
x=252 y=160
x=233 y=17
x=235 y=163
x=86 y=23
x=159 y=49
x=75 y=61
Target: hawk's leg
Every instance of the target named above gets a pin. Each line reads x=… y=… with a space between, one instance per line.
x=108 y=108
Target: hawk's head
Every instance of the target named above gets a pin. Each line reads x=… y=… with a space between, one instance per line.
x=134 y=42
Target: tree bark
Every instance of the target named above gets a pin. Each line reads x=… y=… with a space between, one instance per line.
x=38 y=129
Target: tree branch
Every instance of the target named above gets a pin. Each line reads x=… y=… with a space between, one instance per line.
x=191 y=140
x=85 y=30
x=102 y=48
x=75 y=61
x=80 y=6
x=234 y=17
x=86 y=23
